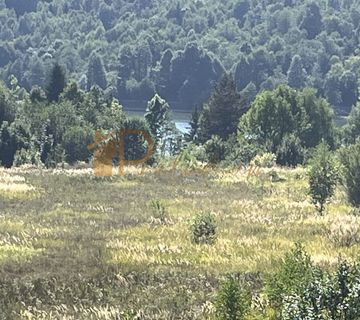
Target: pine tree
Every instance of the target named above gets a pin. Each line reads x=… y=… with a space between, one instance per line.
x=56 y=83
x=232 y=302
x=295 y=74
x=221 y=114
x=96 y=73
x=194 y=126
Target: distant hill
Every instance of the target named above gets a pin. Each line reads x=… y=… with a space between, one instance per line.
x=181 y=48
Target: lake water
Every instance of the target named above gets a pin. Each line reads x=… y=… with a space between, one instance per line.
x=181 y=118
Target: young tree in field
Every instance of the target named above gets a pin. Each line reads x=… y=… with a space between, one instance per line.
x=221 y=114
x=232 y=302
x=350 y=159
x=323 y=177
x=295 y=74
x=56 y=83
x=96 y=73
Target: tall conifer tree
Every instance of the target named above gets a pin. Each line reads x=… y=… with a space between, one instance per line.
x=56 y=83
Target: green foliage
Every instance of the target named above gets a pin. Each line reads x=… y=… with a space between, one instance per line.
x=221 y=114
x=232 y=302
x=312 y=21
x=135 y=147
x=295 y=74
x=203 y=229
x=323 y=177
x=292 y=277
x=159 y=211
x=56 y=83
x=7 y=105
x=334 y=296
x=193 y=135
x=352 y=128
x=186 y=49
x=14 y=137
x=286 y=121
x=350 y=159
x=290 y=152
x=215 y=150
x=75 y=142
x=96 y=73
x=157 y=116
x=265 y=160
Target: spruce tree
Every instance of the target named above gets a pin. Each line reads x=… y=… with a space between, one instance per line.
x=56 y=83
x=194 y=126
x=96 y=73
x=295 y=74
x=221 y=114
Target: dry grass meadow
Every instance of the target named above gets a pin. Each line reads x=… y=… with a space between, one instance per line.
x=75 y=246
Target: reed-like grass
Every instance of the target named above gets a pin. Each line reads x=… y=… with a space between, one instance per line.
x=69 y=225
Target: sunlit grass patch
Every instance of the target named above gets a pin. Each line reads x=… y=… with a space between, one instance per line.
x=15 y=186
x=17 y=253
x=21 y=233
x=124 y=184
x=171 y=246
x=325 y=254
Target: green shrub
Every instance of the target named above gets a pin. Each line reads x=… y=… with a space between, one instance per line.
x=203 y=229
x=232 y=302
x=290 y=152
x=76 y=140
x=266 y=160
x=159 y=211
x=292 y=277
x=215 y=150
x=27 y=156
x=335 y=296
x=323 y=177
x=350 y=159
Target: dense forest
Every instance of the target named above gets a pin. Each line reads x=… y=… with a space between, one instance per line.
x=133 y=49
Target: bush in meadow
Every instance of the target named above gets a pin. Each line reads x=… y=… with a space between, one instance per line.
x=203 y=229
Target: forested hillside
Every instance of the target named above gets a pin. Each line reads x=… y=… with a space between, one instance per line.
x=180 y=49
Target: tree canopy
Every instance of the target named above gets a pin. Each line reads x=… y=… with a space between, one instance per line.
x=134 y=49
x=281 y=118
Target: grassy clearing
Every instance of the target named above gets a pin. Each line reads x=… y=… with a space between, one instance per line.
x=91 y=247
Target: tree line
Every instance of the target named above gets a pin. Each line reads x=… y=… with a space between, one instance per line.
x=56 y=124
